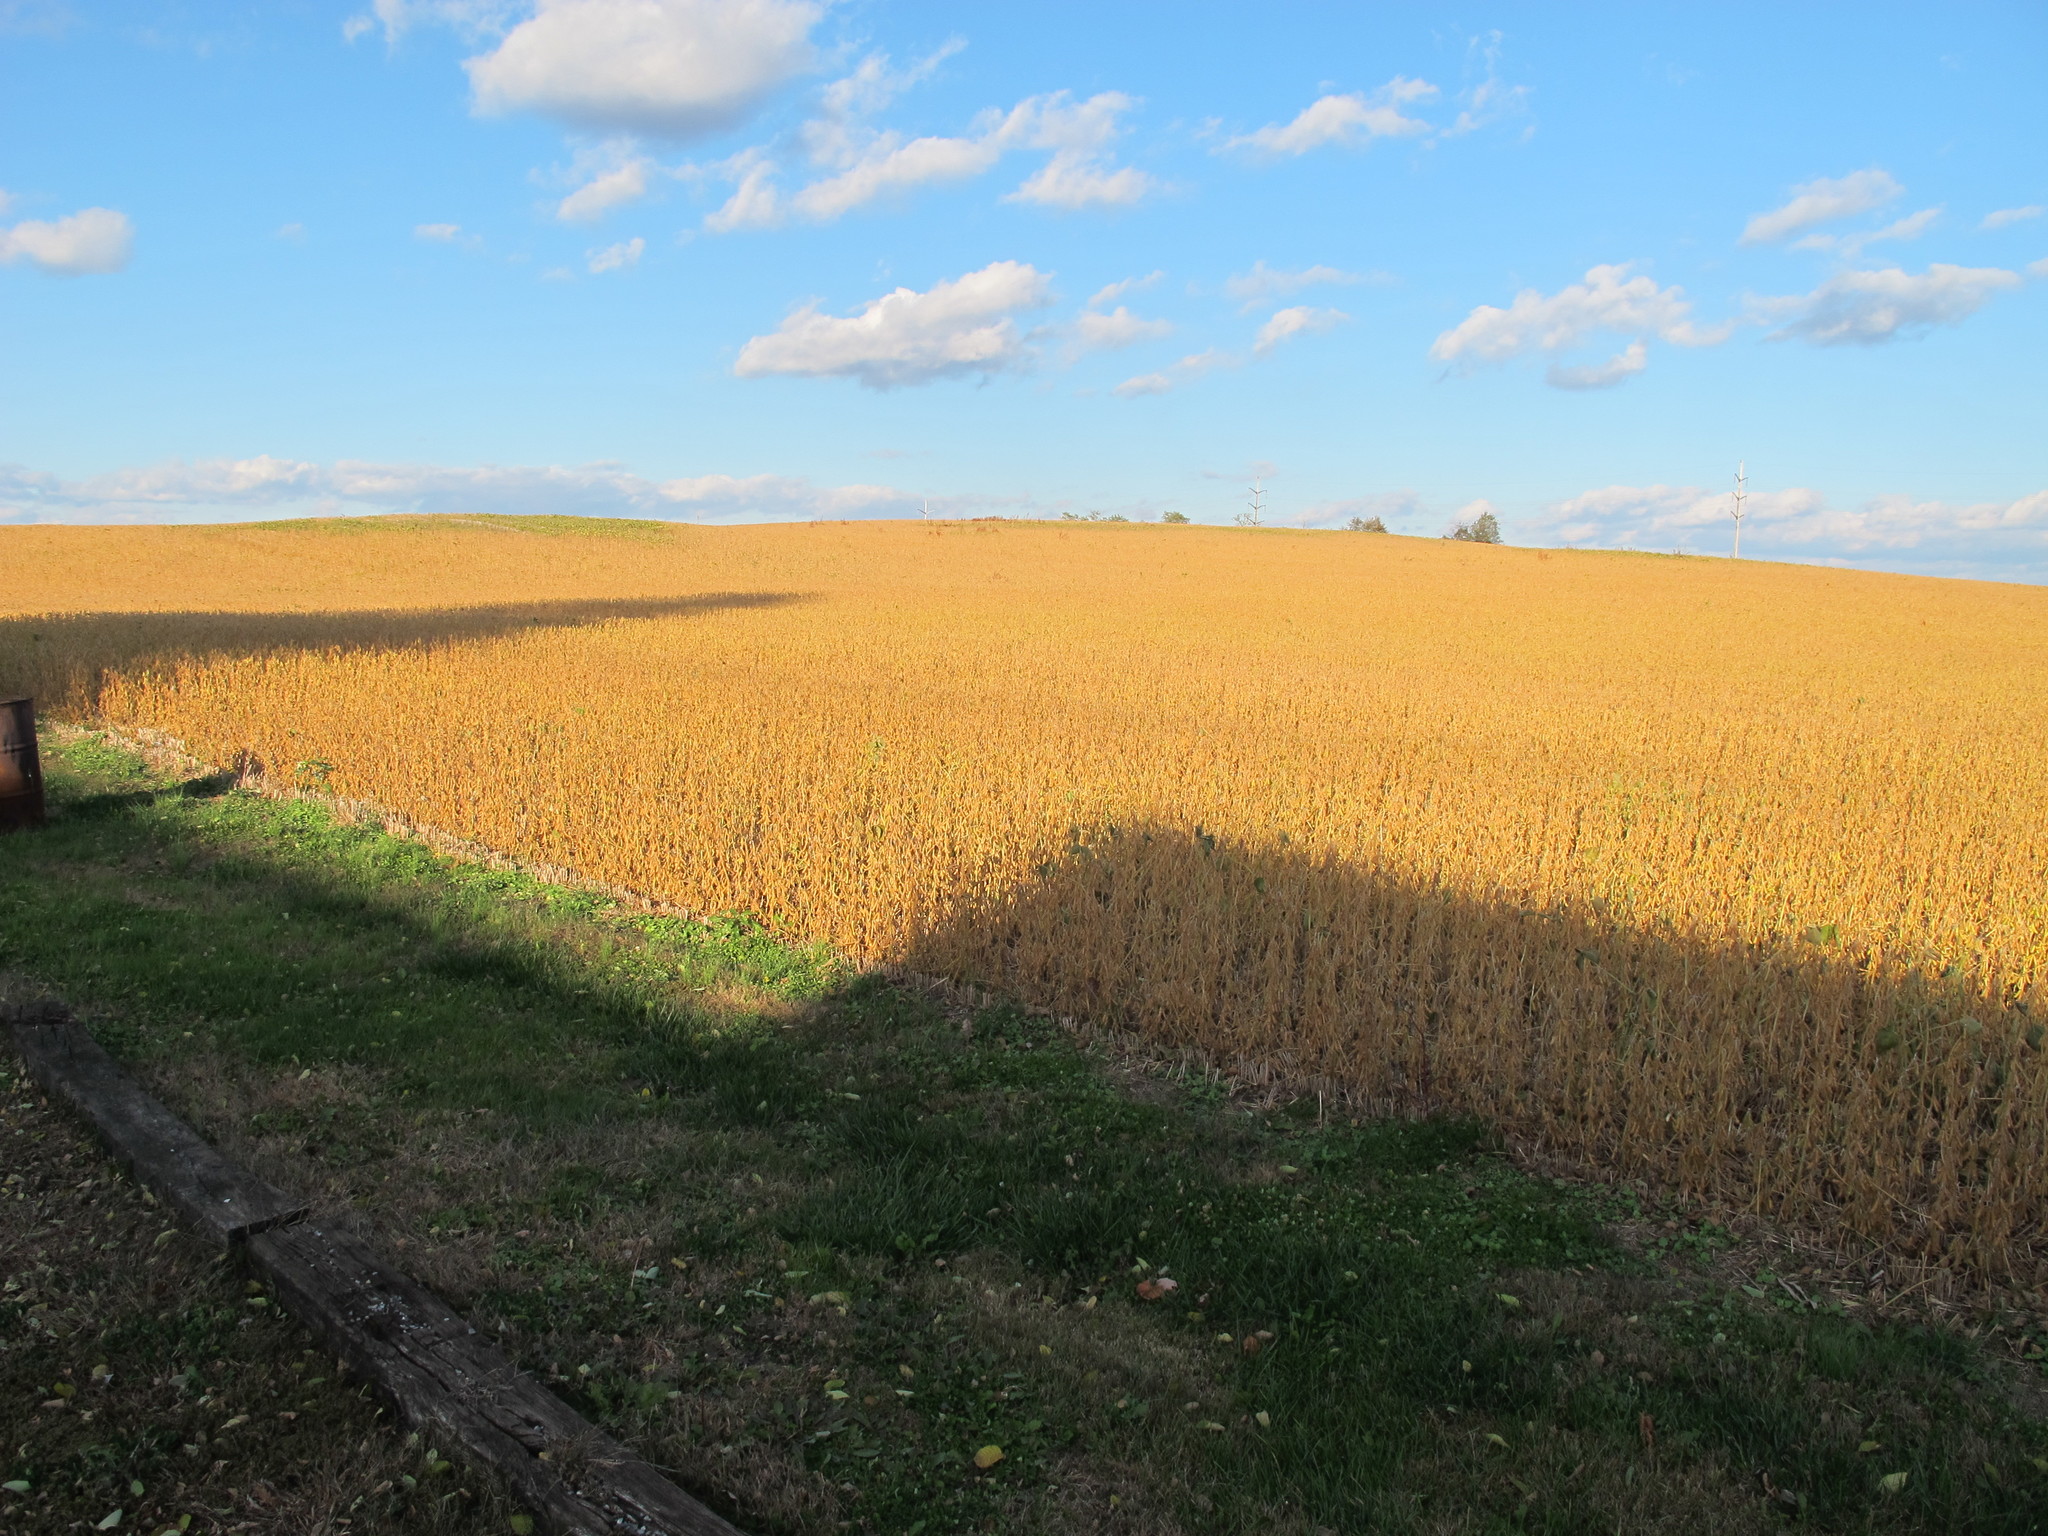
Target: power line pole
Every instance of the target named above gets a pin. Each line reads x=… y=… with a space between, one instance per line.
x=1741 y=496
x=1258 y=501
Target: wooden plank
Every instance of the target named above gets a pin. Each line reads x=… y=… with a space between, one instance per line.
x=446 y=1379
x=464 y=1393
x=220 y=1198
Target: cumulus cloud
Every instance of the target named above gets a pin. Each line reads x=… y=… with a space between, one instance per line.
x=1822 y=201
x=958 y=327
x=1096 y=331
x=1111 y=292
x=1351 y=121
x=227 y=489
x=1625 y=364
x=1998 y=218
x=1263 y=283
x=1193 y=366
x=1911 y=227
x=1866 y=308
x=866 y=164
x=1800 y=521
x=666 y=68
x=621 y=179
x=616 y=258
x=93 y=240
x=1607 y=300
x=1301 y=320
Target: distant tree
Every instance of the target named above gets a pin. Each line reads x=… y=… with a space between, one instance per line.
x=1483 y=529
x=1366 y=525
x=1173 y=517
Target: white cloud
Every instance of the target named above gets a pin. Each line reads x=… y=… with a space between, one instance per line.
x=1111 y=292
x=296 y=233
x=1144 y=384
x=472 y=18
x=443 y=233
x=1080 y=136
x=958 y=327
x=1865 y=308
x=1193 y=366
x=226 y=489
x=1798 y=520
x=1607 y=300
x=839 y=135
x=1911 y=227
x=1489 y=101
x=1096 y=331
x=670 y=68
x=623 y=181
x=1301 y=320
x=1347 y=120
x=2038 y=268
x=93 y=240
x=1821 y=201
x=1625 y=364
x=868 y=164
x=1998 y=218
x=1380 y=504
x=615 y=258
x=889 y=165
x=1263 y=283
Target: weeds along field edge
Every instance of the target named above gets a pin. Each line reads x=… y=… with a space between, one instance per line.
x=1732 y=877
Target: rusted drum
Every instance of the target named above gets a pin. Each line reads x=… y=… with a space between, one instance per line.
x=21 y=774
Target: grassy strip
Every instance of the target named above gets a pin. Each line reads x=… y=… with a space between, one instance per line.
x=821 y=1245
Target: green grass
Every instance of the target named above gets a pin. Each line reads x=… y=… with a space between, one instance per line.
x=813 y=1240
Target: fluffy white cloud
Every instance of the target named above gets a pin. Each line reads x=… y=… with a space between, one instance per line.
x=1111 y=292
x=1099 y=332
x=616 y=258
x=1381 y=504
x=1998 y=218
x=1625 y=364
x=225 y=489
x=1300 y=320
x=1911 y=227
x=1263 y=283
x=1864 y=308
x=442 y=233
x=1800 y=521
x=1193 y=366
x=1350 y=120
x=867 y=163
x=90 y=241
x=1143 y=384
x=1822 y=201
x=959 y=327
x=1608 y=300
x=623 y=181
x=672 y=68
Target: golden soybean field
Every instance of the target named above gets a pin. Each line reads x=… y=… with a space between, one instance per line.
x=1731 y=875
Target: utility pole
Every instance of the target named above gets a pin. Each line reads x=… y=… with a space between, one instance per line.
x=1258 y=501
x=1741 y=496
x=927 y=503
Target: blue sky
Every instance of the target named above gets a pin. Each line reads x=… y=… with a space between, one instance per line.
x=737 y=259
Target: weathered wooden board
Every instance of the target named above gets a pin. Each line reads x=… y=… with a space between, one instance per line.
x=445 y=1378
x=218 y=1197
x=461 y=1390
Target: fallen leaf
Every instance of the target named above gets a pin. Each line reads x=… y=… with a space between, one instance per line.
x=110 y=1522
x=522 y=1525
x=1158 y=1289
x=1265 y=1419
x=1512 y=1303
x=17 y=1486
x=988 y=1456
x=1496 y=1439
x=1209 y=1424
x=1892 y=1482
x=1647 y=1428
x=1866 y=1448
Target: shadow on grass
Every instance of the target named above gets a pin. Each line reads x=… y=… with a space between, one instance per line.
x=1360 y=1312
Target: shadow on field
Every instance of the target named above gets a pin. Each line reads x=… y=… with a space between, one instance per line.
x=1815 y=1083
x=60 y=658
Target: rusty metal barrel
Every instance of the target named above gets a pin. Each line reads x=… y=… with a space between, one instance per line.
x=21 y=772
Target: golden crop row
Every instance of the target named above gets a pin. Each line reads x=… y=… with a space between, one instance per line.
x=1731 y=875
